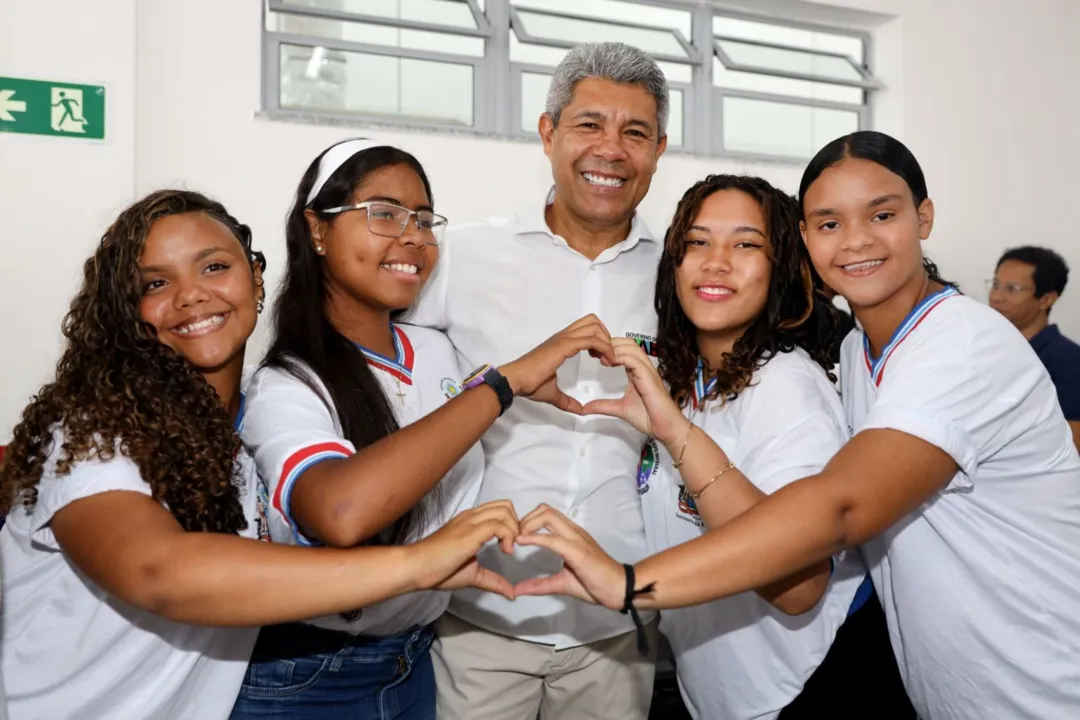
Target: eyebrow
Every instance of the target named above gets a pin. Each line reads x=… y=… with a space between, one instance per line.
x=740 y=229
x=892 y=197
x=395 y=201
x=201 y=255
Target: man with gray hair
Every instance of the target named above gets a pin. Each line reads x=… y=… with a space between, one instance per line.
x=501 y=287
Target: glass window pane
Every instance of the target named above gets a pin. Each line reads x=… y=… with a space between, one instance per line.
x=529 y=54
x=786 y=129
x=551 y=27
x=534 y=87
x=826 y=67
x=848 y=45
x=631 y=12
x=375 y=34
x=454 y=13
x=807 y=89
x=675 y=120
x=376 y=85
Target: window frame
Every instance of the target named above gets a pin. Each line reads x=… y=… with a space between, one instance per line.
x=495 y=77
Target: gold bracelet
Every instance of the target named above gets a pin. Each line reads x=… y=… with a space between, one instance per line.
x=678 y=463
x=710 y=481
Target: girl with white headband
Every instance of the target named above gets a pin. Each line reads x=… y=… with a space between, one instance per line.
x=341 y=375
x=133 y=581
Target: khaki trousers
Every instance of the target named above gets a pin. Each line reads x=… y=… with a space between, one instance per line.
x=480 y=675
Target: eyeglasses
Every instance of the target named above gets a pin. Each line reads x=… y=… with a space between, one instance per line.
x=1010 y=288
x=390 y=220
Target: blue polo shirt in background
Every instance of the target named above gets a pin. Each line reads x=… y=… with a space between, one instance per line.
x=1061 y=356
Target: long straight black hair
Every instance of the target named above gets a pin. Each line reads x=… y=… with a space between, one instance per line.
x=886 y=151
x=306 y=342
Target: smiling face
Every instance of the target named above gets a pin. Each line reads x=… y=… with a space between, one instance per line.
x=863 y=231
x=723 y=281
x=382 y=273
x=604 y=151
x=199 y=291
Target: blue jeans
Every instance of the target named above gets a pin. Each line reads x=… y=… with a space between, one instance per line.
x=308 y=673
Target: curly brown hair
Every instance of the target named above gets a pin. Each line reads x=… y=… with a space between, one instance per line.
x=120 y=390
x=797 y=313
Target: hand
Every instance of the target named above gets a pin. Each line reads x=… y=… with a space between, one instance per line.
x=533 y=374
x=588 y=572
x=446 y=559
x=646 y=404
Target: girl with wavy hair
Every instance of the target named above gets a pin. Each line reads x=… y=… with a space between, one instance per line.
x=133 y=583
x=745 y=380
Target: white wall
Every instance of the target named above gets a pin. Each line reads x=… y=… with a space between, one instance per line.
x=58 y=194
x=981 y=91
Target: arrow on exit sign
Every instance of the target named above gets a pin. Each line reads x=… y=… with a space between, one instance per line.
x=9 y=105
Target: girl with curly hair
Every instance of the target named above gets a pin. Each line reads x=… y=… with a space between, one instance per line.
x=961 y=484
x=133 y=581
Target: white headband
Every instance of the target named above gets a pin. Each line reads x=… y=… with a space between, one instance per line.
x=337 y=156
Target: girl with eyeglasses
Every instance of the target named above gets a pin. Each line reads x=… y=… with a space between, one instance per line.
x=133 y=581
x=342 y=375
x=961 y=483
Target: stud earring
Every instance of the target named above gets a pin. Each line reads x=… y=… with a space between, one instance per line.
x=318 y=249
x=259 y=306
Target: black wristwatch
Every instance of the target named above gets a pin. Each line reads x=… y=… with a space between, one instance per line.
x=488 y=375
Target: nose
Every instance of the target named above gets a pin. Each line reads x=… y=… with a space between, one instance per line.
x=609 y=147
x=717 y=260
x=413 y=236
x=189 y=293
x=857 y=239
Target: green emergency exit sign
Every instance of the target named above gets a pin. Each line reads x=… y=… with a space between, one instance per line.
x=42 y=107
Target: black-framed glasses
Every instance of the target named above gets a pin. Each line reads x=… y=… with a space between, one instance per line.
x=389 y=220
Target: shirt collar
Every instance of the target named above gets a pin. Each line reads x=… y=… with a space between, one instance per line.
x=535 y=223
x=1045 y=337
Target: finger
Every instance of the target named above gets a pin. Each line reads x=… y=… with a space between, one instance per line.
x=493 y=582
x=565 y=403
x=506 y=532
x=535 y=512
x=557 y=584
x=566 y=549
x=592 y=340
x=499 y=511
x=589 y=319
x=553 y=520
x=611 y=408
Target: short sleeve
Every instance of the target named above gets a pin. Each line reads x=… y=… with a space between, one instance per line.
x=430 y=308
x=791 y=425
x=940 y=397
x=288 y=429
x=87 y=478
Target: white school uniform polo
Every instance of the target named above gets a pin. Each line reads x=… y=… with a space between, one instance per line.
x=290 y=427
x=981 y=584
x=501 y=288
x=740 y=658
x=71 y=651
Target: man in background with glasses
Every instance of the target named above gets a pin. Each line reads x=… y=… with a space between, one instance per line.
x=503 y=286
x=1027 y=283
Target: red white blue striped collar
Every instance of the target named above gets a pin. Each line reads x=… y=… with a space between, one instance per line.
x=701 y=388
x=916 y=316
x=401 y=366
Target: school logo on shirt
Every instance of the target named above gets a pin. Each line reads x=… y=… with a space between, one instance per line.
x=646 y=466
x=688 y=508
x=450 y=388
x=645 y=342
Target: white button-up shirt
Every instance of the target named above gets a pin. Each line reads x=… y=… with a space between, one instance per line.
x=500 y=289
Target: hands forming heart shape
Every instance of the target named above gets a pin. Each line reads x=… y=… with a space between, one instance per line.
x=447 y=558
